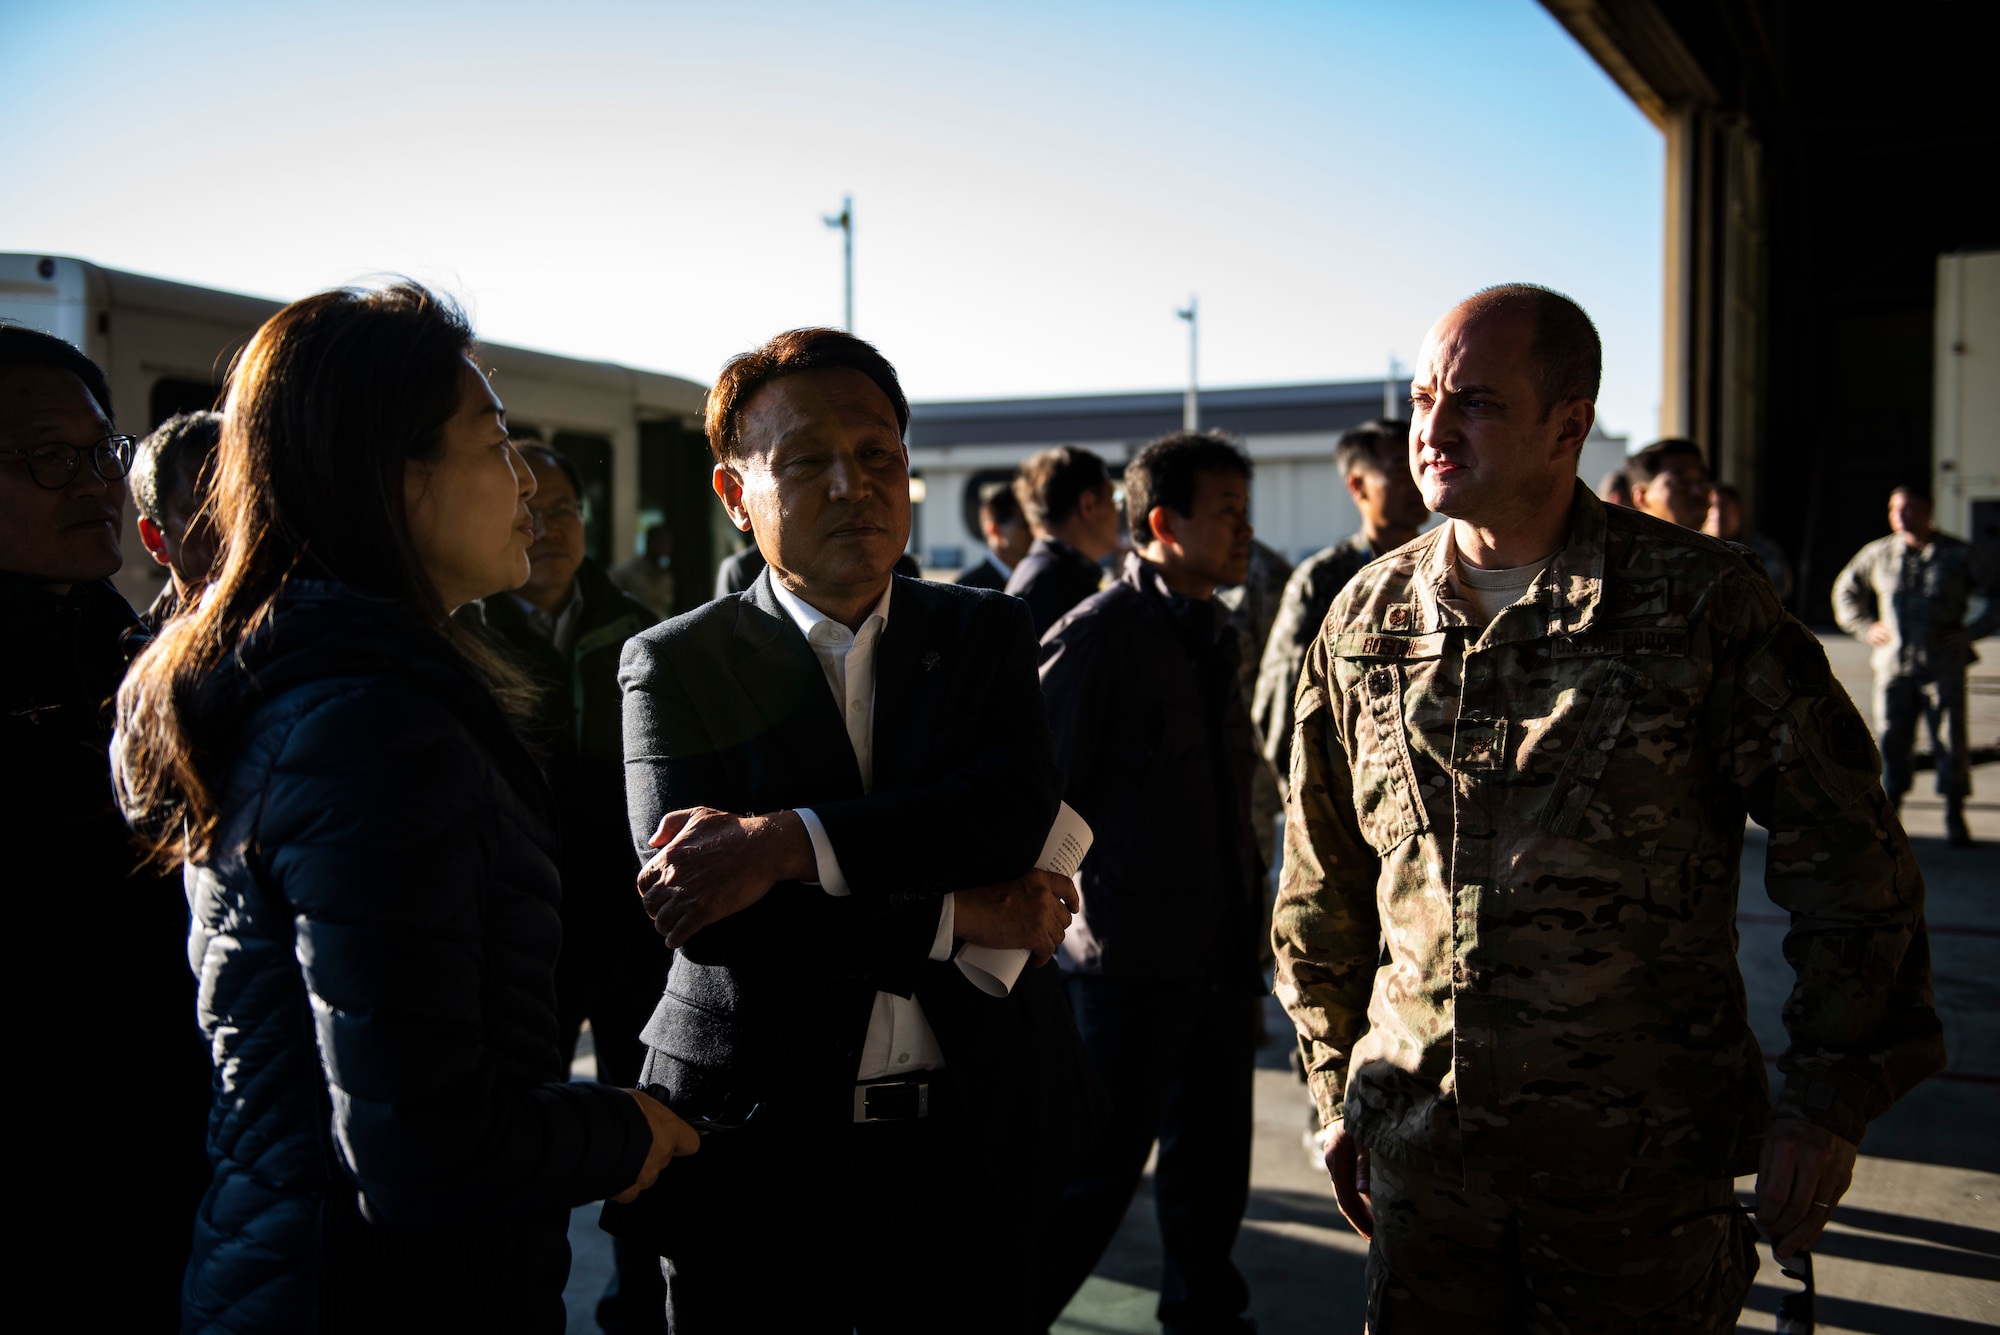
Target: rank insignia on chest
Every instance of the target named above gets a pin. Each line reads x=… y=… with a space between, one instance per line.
x=1482 y=744
x=1400 y=616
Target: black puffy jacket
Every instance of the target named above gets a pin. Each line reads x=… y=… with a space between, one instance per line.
x=395 y=1144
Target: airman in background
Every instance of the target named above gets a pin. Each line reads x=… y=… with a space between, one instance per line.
x=1373 y=461
x=1725 y=521
x=1525 y=747
x=1907 y=595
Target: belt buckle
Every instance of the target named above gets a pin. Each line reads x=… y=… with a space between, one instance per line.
x=922 y=1089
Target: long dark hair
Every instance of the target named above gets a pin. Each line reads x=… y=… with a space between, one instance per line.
x=329 y=403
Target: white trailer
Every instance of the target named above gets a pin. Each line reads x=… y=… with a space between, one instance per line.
x=166 y=347
x=1965 y=452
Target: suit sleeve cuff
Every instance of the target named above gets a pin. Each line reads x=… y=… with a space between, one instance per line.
x=831 y=878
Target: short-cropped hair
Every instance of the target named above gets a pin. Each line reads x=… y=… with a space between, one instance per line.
x=22 y=347
x=1383 y=443
x=1052 y=484
x=535 y=451
x=1658 y=457
x=1568 y=355
x=790 y=353
x=180 y=450
x=1916 y=491
x=1166 y=471
x=1001 y=504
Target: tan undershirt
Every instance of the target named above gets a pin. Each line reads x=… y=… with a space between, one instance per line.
x=1493 y=591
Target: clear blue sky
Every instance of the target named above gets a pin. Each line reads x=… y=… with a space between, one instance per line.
x=1037 y=186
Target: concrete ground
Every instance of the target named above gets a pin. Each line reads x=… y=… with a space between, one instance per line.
x=1914 y=1248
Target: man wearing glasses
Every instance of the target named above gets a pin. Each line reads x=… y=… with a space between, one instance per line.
x=566 y=628
x=125 y=996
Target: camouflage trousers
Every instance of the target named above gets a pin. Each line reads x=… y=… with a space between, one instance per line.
x=1450 y=1261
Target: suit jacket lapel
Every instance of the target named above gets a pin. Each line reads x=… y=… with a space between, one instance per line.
x=784 y=686
x=910 y=674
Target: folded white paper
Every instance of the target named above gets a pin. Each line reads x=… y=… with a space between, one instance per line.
x=994 y=971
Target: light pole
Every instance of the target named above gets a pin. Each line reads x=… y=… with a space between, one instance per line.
x=844 y=220
x=1191 y=410
x=1389 y=395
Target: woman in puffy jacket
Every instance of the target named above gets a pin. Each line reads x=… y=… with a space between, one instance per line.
x=370 y=854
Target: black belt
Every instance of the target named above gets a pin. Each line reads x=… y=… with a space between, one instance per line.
x=899 y=1100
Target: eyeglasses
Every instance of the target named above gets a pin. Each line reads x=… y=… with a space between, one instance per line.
x=559 y=513
x=54 y=467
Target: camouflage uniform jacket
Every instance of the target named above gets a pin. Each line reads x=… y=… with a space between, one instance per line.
x=1308 y=596
x=1506 y=930
x=1919 y=593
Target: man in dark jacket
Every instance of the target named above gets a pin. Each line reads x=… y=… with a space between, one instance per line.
x=1007 y=537
x=887 y=1127
x=65 y=639
x=1157 y=752
x=566 y=628
x=1067 y=496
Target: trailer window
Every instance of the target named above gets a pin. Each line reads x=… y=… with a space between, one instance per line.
x=171 y=396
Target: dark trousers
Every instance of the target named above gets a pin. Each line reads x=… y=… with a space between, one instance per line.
x=617 y=1000
x=1938 y=702
x=887 y=1228
x=1176 y=1059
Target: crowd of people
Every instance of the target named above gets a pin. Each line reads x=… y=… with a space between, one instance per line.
x=397 y=790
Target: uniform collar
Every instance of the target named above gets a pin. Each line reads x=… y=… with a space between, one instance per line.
x=1569 y=588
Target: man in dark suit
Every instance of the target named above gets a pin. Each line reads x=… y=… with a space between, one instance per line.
x=898 y=1115
x=1007 y=536
x=1067 y=496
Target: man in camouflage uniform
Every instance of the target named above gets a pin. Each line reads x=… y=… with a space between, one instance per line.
x=1373 y=465
x=1251 y=607
x=1506 y=926
x=1906 y=594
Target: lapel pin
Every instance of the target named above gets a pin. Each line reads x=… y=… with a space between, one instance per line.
x=931 y=660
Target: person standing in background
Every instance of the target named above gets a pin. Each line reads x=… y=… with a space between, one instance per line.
x=65 y=639
x=1725 y=521
x=565 y=629
x=1907 y=596
x=1157 y=754
x=1007 y=538
x=1614 y=488
x=649 y=576
x=1670 y=481
x=1373 y=463
x=169 y=484
x=1068 y=499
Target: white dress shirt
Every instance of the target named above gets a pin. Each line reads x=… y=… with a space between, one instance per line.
x=899 y=1039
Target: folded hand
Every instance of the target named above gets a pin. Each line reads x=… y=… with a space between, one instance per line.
x=712 y=864
x=1028 y=913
